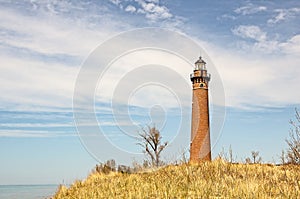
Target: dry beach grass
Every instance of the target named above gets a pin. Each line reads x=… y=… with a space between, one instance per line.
x=216 y=179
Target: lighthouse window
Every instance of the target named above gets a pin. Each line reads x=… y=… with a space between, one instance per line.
x=201 y=85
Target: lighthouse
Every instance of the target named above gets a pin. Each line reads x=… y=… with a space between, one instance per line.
x=200 y=149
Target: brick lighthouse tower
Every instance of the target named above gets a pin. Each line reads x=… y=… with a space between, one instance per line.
x=200 y=135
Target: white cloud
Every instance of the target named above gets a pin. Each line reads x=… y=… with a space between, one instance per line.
x=35 y=125
x=141 y=11
x=266 y=46
x=153 y=10
x=47 y=36
x=36 y=83
x=283 y=14
x=250 y=9
x=130 y=8
x=227 y=16
x=33 y=133
x=292 y=45
x=147 y=95
x=253 y=79
x=261 y=42
x=150 y=8
x=31 y=82
x=28 y=78
x=252 y=32
x=116 y=2
x=152 y=1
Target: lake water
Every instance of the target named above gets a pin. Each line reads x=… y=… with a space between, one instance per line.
x=27 y=191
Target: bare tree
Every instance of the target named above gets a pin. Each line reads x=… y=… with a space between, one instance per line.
x=223 y=155
x=231 y=159
x=124 y=169
x=227 y=156
x=255 y=156
x=151 y=141
x=107 y=167
x=248 y=160
x=111 y=164
x=282 y=157
x=293 y=151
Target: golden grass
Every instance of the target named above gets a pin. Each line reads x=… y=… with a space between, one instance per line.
x=216 y=179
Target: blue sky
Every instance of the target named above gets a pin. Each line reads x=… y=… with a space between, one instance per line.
x=254 y=45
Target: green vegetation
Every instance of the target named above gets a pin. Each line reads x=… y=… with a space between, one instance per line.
x=216 y=179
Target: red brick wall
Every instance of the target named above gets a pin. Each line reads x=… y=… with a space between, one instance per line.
x=200 y=136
